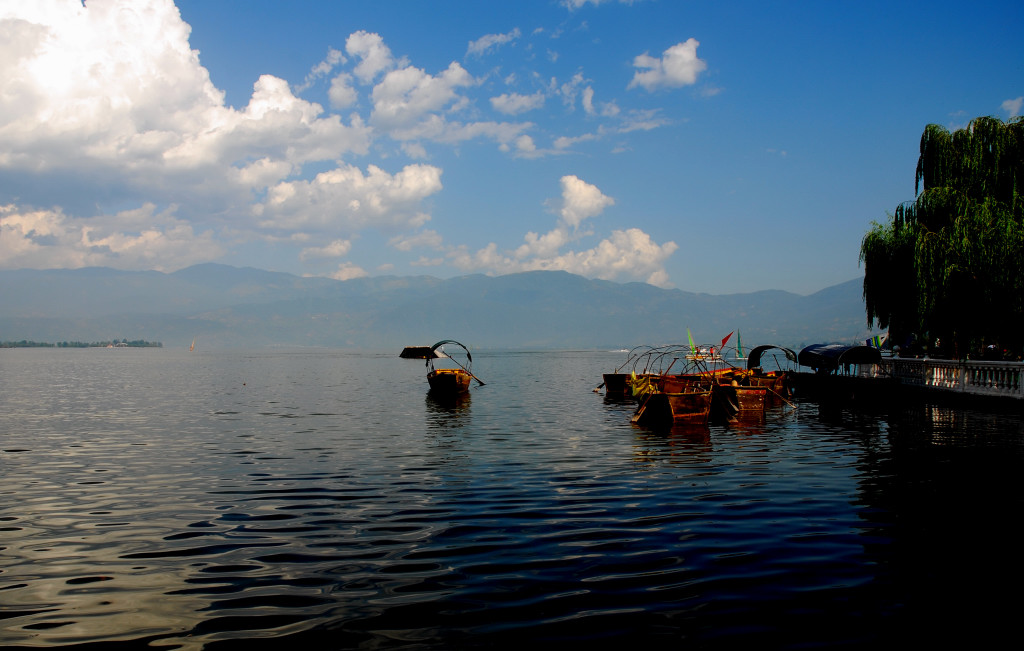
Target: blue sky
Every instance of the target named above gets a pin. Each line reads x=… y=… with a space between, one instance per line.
x=708 y=146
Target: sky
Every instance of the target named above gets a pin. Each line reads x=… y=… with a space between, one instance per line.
x=717 y=147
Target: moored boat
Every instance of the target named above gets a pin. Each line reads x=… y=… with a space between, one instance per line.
x=620 y=382
x=776 y=382
x=448 y=381
x=689 y=406
x=751 y=399
x=707 y=387
x=775 y=385
x=616 y=384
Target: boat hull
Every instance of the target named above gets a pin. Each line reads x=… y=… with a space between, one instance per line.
x=776 y=384
x=617 y=384
x=751 y=400
x=448 y=381
x=691 y=406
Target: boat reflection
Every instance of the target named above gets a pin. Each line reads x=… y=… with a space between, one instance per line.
x=676 y=444
x=447 y=404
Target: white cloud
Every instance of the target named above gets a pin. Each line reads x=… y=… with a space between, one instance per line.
x=628 y=254
x=322 y=69
x=414 y=150
x=341 y=93
x=679 y=66
x=542 y=247
x=646 y=120
x=110 y=106
x=1013 y=106
x=423 y=239
x=581 y=200
x=514 y=103
x=116 y=92
x=374 y=57
x=438 y=129
x=483 y=44
x=142 y=238
x=348 y=271
x=525 y=144
x=346 y=200
x=570 y=89
x=336 y=249
x=588 y=100
x=576 y=4
x=406 y=95
x=565 y=142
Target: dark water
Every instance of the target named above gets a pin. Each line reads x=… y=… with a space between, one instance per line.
x=225 y=499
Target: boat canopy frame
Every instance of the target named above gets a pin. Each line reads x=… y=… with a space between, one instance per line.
x=754 y=357
x=830 y=357
x=439 y=353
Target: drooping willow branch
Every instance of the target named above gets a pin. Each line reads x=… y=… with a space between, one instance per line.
x=949 y=266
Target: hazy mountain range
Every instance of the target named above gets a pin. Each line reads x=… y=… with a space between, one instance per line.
x=228 y=306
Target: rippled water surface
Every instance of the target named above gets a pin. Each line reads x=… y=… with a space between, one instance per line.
x=316 y=497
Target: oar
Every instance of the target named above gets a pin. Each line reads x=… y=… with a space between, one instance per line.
x=783 y=399
x=467 y=370
x=640 y=410
x=457 y=363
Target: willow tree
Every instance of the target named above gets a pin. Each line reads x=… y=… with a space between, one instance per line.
x=949 y=266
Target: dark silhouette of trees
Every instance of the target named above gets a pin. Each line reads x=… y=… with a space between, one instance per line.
x=948 y=267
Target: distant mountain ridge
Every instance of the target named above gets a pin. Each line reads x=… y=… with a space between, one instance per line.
x=232 y=306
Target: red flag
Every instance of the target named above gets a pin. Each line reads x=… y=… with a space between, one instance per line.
x=726 y=338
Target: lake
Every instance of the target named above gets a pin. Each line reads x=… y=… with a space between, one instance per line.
x=156 y=498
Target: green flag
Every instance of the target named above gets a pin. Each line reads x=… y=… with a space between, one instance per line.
x=693 y=349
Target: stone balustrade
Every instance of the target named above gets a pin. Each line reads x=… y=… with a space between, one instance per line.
x=971 y=377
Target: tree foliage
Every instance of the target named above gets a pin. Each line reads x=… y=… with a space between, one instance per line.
x=948 y=266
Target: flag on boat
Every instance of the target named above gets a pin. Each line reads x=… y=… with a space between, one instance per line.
x=726 y=339
x=641 y=386
x=739 y=346
x=693 y=348
x=878 y=340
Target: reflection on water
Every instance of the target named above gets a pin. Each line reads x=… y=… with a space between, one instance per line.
x=325 y=499
x=442 y=405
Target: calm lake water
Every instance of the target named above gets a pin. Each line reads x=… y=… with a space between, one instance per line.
x=155 y=498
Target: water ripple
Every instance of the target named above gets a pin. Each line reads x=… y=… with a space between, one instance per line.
x=299 y=498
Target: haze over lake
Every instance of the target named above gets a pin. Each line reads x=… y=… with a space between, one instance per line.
x=235 y=307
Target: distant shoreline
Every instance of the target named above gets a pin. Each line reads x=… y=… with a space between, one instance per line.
x=81 y=344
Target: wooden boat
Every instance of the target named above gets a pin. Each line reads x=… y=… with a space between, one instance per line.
x=619 y=383
x=775 y=385
x=731 y=397
x=449 y=380
x=689 y=406
x=751 y=399
x=616 y=384
x=446 y=382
